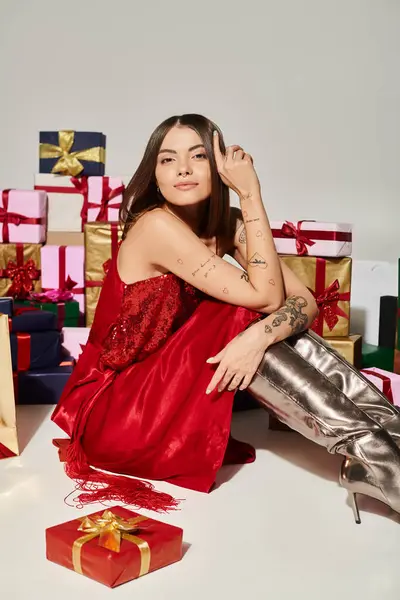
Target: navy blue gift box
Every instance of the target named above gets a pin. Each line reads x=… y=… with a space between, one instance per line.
x=86 y=150
x=34 y=320
x=36 y=350
x=6 y=306
x=42 y=386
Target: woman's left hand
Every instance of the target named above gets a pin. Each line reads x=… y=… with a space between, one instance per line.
x=238 y=361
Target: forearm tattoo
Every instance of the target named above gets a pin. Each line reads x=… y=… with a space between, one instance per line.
x=292 y=312
x=245 y=276
x=258 y=261
x=242 y=236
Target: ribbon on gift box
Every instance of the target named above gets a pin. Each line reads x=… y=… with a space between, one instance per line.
x=23 y=351
x=108 y=194
x=69 y=162
x=111 y=529
x=11 y=218
x=22 y=274
x=66 y=286
x=386 y=383
x=106 y=264
x=80 y=187
x=308 y=238
x=327 y=299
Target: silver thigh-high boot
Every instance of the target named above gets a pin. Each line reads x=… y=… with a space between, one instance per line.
x=317 y=352
x=302 y=397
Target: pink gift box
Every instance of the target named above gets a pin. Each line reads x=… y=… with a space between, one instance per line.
x=312 y=238
x=388 y=383
x=63 y=268
x=73 y=339
x=23 y=216
x=104 y=199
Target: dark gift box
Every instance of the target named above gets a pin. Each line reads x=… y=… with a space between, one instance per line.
x=42 y=386
x=32 y=320
x=72 y=153
x=6 y=306
x=36 y=350
x=387 y=321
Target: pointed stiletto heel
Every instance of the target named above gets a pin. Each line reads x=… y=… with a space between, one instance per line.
x=354 y=506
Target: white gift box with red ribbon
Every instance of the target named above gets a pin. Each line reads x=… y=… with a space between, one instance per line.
x=312 y=238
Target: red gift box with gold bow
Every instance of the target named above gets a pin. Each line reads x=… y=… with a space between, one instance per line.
x=114 y=546
x=329 y=280
x=19 y=270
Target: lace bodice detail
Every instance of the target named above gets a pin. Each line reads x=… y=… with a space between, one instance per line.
x=151 y=311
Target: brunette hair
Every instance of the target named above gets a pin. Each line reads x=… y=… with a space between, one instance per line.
x=141 y=193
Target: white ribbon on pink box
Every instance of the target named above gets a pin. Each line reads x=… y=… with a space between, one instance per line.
x=388 y=383
x=63 y=269
x=312 y=238
x=23 y=216
x=73 y=340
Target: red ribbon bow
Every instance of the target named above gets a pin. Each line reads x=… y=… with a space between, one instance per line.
x=290 y=230
x=108 y=194
x=22 y=277
x=327 y=302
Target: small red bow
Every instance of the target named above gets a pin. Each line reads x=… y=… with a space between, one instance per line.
x=327 y=302
x=108 y=194
x=22 y=277
x=290 y=230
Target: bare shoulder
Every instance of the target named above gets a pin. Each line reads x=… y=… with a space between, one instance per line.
x=160 y=222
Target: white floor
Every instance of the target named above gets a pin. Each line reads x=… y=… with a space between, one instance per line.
x=279 y=528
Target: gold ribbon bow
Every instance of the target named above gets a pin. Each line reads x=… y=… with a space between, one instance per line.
x=69 y=162
x=110 y=529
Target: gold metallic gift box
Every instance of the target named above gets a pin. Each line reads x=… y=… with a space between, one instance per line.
x=8 y=426
x=19 y=269
x=350 y=348
x=101 y=243
x=330 y=281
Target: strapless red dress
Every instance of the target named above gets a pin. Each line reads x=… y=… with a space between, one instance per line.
x=136 y=403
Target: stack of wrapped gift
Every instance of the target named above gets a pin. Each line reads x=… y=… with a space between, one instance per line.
x=23 y=226
x=319 y=254
x=72 y=167
x=39 y=367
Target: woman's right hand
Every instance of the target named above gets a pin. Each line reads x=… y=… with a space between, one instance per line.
x=236 y=169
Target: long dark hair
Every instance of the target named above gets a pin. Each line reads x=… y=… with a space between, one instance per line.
x=141 y=193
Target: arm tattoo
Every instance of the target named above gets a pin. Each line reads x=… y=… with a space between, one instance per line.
x=202 y=265
x=268 y=329
x=242 y=236
x=258 y=261
x=252 y=220
x=245 y=276
x=292 y=311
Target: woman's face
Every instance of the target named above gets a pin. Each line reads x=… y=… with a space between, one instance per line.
x=183 y=171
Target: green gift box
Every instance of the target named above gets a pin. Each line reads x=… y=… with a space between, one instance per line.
x=377 y=356
x=67 y=312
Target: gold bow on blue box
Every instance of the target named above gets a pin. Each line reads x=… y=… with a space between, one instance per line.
x=72 y=152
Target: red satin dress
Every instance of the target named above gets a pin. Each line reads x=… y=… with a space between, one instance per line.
x=136 y=402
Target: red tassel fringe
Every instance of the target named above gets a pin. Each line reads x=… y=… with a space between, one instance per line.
x=96 y=486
